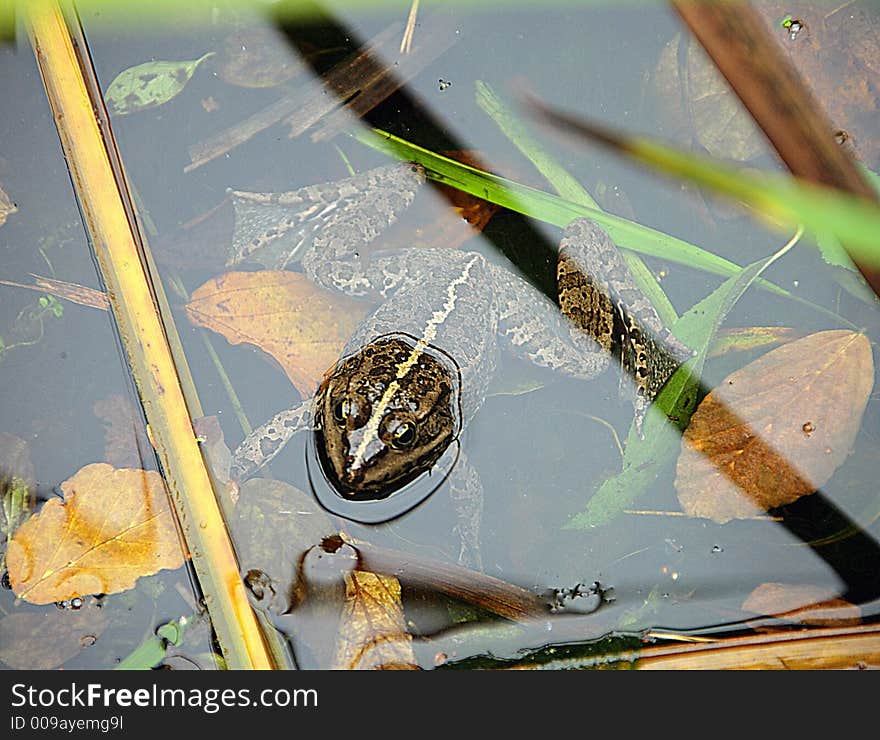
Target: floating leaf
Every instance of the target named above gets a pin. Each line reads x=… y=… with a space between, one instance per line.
x=41 y=641
x=776 y=429
x=7 y=207
x=802 y=604
x=303 y=327
x=112 y=527
x=372 y=631
x=149 y=84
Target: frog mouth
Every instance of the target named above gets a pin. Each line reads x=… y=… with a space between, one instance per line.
x=367 y=507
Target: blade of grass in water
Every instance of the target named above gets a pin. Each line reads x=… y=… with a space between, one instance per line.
x=645 y=457
x=568 y=187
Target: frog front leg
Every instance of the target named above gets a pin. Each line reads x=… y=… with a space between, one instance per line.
x=267 y=440
x=466 y=492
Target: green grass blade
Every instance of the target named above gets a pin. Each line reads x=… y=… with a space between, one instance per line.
x=554 y=210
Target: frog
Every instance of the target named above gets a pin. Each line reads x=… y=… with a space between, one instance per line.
x=386 y=421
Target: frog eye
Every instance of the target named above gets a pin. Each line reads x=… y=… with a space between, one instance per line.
x=403 y=436
x=340 y=411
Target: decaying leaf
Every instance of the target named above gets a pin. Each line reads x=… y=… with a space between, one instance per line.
x=7 y=207
x=125 y=439
x=835 y=48
x=776 y=429
x=372 y=632
x=42 y=641
x=112 y=527
x=802 y=604
x=149 y=84
x=303 y=327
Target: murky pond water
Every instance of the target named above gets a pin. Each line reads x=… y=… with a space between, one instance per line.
x=191 y=128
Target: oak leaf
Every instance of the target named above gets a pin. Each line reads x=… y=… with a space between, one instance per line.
x=777 y=428
x=372 y=632
x=112 y=527
x=303 y=327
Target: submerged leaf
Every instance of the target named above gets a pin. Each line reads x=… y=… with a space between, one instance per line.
x=776 y=429
x=149 y=84
x=372 y=631
x=691 y=92
x=303 y=327
x=125 y=441
x=112 y=527
x=31 y=640
x=257 y=57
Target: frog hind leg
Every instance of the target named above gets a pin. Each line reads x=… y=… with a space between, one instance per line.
x=333 y=260
x=267 y=440
x=533 y=327
x=598 y=293
x=277 y=229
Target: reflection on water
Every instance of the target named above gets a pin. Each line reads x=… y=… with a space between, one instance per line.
x=543 y=445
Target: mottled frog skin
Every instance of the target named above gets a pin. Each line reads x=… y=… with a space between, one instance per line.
x=417 y=369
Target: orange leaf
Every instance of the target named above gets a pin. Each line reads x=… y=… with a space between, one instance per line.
x=302 y=326
x=372 y=633
x=776 y=429
x=112 y=527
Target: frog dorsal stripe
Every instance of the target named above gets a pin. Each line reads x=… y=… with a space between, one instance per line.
x=371 y=431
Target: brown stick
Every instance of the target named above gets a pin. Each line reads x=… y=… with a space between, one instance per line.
x=492 y=594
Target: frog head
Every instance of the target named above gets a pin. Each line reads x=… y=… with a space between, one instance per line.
x=384 y=417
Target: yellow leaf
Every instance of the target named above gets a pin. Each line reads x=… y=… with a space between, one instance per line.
x=372 y=633
x=777 y=428
x=112 y=527
x=302 y=326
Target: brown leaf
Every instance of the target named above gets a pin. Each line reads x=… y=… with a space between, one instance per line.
x=776 y=429
x=31 y=640
x=802 y=604
x=111 y=528
x=303 y=327
x=372 y=632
